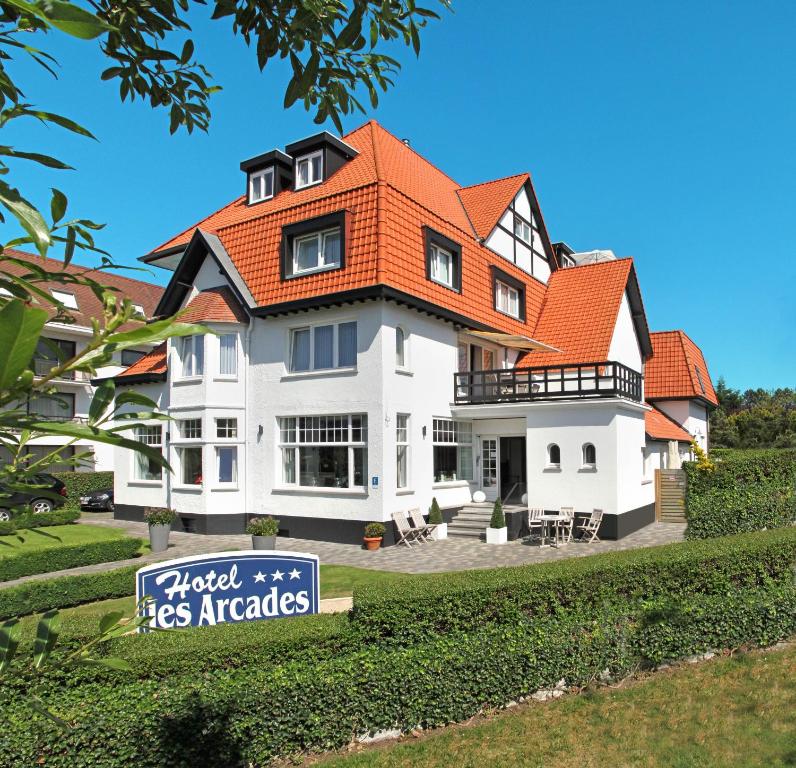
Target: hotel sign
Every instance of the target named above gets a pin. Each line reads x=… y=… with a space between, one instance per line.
x=204 y=590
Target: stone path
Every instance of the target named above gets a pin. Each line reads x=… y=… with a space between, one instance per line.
x=449 y=555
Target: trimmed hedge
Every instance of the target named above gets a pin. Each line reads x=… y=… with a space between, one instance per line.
x=465 y=600
x=62 y=516
x=266 y=711
x=745 y=491
x=82 y=483
x=70 y=556
x=65 y=591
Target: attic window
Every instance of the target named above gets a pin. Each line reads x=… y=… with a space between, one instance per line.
x=522 y=229
x=315 y=245
x=67 y=299
x=138 y=310
x=699 y=378
x=508 y=294
x=261 y=185
x=309 y=169
x=443 y=260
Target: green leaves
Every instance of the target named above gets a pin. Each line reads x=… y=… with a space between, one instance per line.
x=46 y=637
x=9 y=642
x=27 y=215
x=20 y=328
x=65 y=17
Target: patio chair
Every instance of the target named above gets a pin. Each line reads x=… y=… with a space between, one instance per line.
x=425 y=529
x=589 y=527
x=535 y=524
x=566 y=522
x=406 y=534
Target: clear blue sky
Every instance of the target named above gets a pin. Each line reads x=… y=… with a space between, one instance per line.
x=664 y=131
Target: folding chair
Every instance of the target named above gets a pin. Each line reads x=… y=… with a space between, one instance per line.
x=590 y=526
x=425 y=529
x=406 y=534
x=565 y=523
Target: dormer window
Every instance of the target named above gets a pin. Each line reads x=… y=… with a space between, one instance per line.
x=509 y=294
x=443 y=260
x=315 y=245
x=67 y=299
x=261 y=185
x=309 y=169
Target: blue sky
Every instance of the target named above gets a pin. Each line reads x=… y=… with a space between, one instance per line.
x=663 y=131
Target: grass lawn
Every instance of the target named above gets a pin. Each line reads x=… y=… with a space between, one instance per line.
x=37 y=539
x=737 y=711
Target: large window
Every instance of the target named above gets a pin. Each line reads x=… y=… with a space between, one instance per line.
x=190 y=464
x=324 y=451
x=453 y=450
x=227 y=464
x=402 y=449
x=59 y=407
x=309 y=169
x=507 y=299
x=261 y=185
x=145 y=468
x=320 y=250
x=322 y=347
x=50 y=353
x=192 y=355
x=228 y=354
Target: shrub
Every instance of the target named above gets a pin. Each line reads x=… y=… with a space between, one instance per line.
x=82 y=483
x=462 y=601
x=743 y=491
x=435 y=513
x=498 y=518
x=160 y=516
x=62 y=516
x=262 y=526
x=374 y=530
x=70 y=556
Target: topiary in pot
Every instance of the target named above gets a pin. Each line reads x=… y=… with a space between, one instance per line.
x=497 y=532
x=435 y=513
x=160 y=520
x=263 y=531
x=374 y=533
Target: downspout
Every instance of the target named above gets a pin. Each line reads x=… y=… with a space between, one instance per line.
x=247 y=411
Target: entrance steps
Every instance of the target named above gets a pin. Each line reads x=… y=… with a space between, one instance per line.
x=472 y=521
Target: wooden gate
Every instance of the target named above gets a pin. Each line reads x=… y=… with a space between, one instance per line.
x=670 y=495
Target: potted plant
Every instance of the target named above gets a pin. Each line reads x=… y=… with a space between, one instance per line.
x=374 y=533
x=263 y=531
x=160 y=520
x=497 y=533
x=435 y=518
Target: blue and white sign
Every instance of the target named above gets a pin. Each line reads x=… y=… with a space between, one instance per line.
x=204 y=590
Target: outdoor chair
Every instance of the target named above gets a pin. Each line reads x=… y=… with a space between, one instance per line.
x=425 y=529
x=566 y=522
x=535 y=524
x=589 y=527
x=406 y=534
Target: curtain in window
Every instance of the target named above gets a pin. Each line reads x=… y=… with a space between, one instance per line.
x=347 y=343
x=227 y=465
x=228 y=364
x=300 y=352
x=307 y=254
x=57 y=407
x=331 y=248
x=324 y=347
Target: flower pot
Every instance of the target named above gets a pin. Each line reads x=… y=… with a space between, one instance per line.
x=159 y=537
x=372 y=543
x=440 y=532
x=497 y=535
x=263 y=542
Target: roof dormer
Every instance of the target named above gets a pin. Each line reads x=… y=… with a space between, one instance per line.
x=317 y=157
x=267 y=175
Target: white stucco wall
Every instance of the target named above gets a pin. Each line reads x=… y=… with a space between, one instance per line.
x=624 y=346
x=689 y=414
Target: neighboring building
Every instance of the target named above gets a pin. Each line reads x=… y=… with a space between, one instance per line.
x=383 y=336
x=75 y=391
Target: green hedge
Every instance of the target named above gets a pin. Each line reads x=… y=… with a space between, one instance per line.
x=268 y=711
x=62 y=516
x=71 y=556
x=745 y=491
x=81 y=483
x=462 y=601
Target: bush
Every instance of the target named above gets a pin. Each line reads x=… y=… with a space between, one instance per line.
x=466 y=600
x=435 y=513
x=82 y=483
x=263 y=526
x=498 y=518
x=62 y=516
x=160 y=516
x=744 y=491
x=70 y=556
x=374 y=531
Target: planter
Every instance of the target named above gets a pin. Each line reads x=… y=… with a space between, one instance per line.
x=263 y=542
x=497 y=535
x=159 y=537
x=440 y=532
x=372 y=543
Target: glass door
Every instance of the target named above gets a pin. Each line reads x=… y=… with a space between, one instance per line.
x=489 y=467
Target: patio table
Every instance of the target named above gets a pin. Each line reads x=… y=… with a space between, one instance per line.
x=551 y=520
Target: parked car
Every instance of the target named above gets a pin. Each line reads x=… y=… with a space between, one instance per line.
x=46 y=494
x=98 y=501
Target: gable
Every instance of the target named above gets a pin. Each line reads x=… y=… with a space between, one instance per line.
x=625 y=347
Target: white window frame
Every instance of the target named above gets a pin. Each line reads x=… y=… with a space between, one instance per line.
x=403 y=422
x=256 y=176
x=291 y=427
x=151 y=435
x=217 y=451
x=401 y=348
x=550 y=463
x=320 y=237
x=308 y=159
x=504 y=295
x=69 y=300
x=231 y=426
x=181 y=461
x=184 y=355
x=335 y=347
x=222 y=374
x=436 y=252
x=190 y=429
x=522 y=225
x=447 y=432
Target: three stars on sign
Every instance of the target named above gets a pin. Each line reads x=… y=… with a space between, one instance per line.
x=277 y=575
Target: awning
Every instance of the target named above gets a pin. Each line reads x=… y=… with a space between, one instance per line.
x=514 y=341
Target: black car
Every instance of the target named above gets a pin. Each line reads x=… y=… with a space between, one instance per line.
x=98 y=500
x=46 y=494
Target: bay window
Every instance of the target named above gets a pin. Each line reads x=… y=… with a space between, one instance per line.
x=144 y=467
x=190 y=464
x=228 y=354
x=453 y=450
x=324 y=451
x=192 y=355
x=323 y=347
x=227 y=463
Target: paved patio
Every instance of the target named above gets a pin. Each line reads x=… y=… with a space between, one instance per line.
x=453 y=554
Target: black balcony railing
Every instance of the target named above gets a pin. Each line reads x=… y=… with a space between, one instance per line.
x=554 y=382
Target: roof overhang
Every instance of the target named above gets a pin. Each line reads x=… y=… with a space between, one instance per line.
x=514 y=341
x=638 y=314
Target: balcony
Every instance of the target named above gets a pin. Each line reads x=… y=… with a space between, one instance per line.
x=43 y=366
x=519 y=385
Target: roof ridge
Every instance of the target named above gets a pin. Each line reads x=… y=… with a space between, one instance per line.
x=690 y=364
x=495 y=181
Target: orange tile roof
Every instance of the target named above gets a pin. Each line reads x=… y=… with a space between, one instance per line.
x=485 y=203
x=579 y=313
x=152 y=364
x=659 y=426
x=89 y=306
x=217 y=305
x=672 y=370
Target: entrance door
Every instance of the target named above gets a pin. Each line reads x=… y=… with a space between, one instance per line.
x=513 y=477
x=489 y=467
